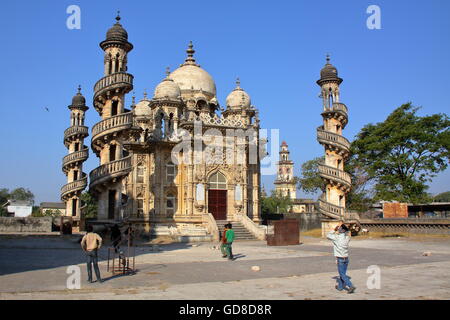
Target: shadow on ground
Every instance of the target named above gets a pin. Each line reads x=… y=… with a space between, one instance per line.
x=30 y=253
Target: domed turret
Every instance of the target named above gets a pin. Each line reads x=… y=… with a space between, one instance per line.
x=167 y=89
x=238 y=98
x=191 y=78
x=117 y=35
x=78 y=101
x=329 y=73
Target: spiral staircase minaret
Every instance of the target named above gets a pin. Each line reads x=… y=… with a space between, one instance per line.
x=106 y=182
x=72 y=164
x=337 y=147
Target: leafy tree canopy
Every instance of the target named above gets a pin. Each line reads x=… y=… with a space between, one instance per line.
x=401 y=154
x=310 y=181
x=16 y=194
x=442 y=197
x=275 y=204
x=89 y=205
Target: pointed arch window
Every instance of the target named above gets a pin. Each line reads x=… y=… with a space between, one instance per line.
x=218 y=181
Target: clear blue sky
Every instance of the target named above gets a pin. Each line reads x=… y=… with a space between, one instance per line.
x=277 y=48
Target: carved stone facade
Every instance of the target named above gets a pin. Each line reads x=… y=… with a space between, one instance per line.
x=153 y=169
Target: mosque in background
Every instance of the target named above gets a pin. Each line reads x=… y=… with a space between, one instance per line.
x=286 y=185
x=137 y=179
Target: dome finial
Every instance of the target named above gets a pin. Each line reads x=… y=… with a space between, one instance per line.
x=145 y=94
x=328 y=58
x=133 y=99
x=167 y=71
x=118 y=16
x=79 y=89
x=238 y=83
x=190 y=54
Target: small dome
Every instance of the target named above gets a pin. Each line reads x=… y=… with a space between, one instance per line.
x=142 y=108
x=167 y=89
x=190 y=77
x=78 y=100
x=329 y=72
x=238 y=98
x=117 y=32
x=116 y=35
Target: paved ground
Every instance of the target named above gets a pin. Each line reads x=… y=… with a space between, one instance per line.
x=35 y=268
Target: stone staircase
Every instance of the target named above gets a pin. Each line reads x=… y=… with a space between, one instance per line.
x=240 y=232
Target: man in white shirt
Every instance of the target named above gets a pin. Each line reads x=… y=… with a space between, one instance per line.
x=340 y=238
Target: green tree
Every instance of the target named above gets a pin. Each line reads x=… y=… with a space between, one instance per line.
x=442 y=197
x=88 y=205
x=275 y=204
x=36 y=212
x=4 y=196
x=310 y=180
x=21 y=194
x=401 y=154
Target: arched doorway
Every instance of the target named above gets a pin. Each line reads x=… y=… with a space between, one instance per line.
x=217 y=196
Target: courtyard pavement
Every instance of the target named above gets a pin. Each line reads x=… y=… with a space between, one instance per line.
x=35 y=267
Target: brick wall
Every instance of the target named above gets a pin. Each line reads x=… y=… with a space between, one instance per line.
x=395 y=210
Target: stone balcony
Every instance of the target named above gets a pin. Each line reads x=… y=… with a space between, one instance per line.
x=109 y=171
x=337 y=110
x=73 y=187
x=335 y=175
x=74 y=158
x=75 y=132
x=113 y=81
x=333 y=139
x=111 y=125
x=331 y=210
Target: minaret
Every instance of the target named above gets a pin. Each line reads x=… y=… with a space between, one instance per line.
x=106 y=181
x=72 y=164
x=285 y=184
x=335 y=118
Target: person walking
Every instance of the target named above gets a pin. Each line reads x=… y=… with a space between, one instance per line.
x=341 y=238
x=229 y=235
x=90 y=243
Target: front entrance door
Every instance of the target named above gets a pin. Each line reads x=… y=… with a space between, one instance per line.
x=217 y=204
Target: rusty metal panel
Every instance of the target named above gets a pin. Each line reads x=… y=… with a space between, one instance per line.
x=286 y=232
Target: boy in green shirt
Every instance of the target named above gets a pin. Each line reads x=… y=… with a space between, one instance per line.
x=229 y=235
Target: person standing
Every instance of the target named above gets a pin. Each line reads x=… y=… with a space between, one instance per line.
x=223 y=242
x=229 y=235
x=341 y=238
x=90 y=243
x=116 y=237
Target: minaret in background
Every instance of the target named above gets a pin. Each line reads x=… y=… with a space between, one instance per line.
x=285 y=184
x=107 y=181
x=72 y=164
x=337 y=148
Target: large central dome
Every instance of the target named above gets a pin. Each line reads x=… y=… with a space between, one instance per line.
x=191 y=78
